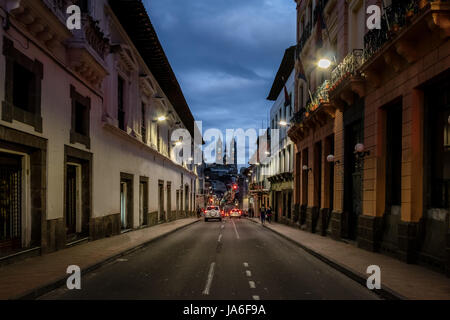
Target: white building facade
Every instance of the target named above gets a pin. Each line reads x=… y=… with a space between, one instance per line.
x=86 y=122
x=280 y=165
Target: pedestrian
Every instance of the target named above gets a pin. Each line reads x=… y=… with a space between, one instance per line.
x=269 y=214
x=263 y=215
x=199 y=212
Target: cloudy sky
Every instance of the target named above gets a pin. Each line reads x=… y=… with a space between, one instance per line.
x=225 y=54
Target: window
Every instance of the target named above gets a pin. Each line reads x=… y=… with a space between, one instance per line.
x=23 y=78
x=120 y=103
x=81 y=107
x=23 y=83
x=143 y=123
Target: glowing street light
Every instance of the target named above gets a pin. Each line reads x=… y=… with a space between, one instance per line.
x=324 y=63
x=283 y=123
x=161 y=118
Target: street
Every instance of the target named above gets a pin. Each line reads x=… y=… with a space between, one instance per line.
x=234 y=259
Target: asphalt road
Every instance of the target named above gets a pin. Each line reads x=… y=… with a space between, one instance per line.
x=229 y=260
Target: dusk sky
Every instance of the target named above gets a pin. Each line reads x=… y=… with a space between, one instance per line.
x=225 y=54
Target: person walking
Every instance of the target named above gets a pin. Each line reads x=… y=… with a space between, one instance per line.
x=263 y=215
x=269 y=214
x=199 y=212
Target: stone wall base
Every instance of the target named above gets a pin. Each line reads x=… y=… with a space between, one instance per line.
x=407 y=241
x=54 y=237
x=312 y=216
x=369 y=232
x=302 y=218
x=323 y=221
x=102 y=227
x=336 y=224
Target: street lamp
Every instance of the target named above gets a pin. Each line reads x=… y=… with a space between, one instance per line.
x=324 y=63
x=331 y=159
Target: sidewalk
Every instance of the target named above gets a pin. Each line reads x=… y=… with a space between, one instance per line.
x=398 y=279
x=35 y=276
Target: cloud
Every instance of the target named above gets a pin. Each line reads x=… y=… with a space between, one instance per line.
x=225 y=54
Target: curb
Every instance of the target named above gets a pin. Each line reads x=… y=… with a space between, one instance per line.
x=384 y=292
x=35 y=293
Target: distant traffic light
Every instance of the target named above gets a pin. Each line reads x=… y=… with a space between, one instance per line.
x=235 y=187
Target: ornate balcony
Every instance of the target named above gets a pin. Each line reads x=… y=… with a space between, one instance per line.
x=346 y=78
x=317 y=112
x=87 y=51
x=395 y=44
x=282 y=177
x=44 y=20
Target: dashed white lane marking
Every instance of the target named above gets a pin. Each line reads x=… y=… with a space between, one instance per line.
x=235 y=229
x=223 y=226
x=210 y=279
x=252 y=284
x=220 y=238
x=246 y=264
x=256 y=298
x=248 y=273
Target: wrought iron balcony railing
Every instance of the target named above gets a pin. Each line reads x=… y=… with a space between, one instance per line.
x=319 y=97
x=394 y=17
x=348 y=67
x=298 y=116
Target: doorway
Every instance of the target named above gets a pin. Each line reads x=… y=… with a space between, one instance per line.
x=161 y=212
x=352 y=178
x=73 y=201
x=126 y=201
x=393 y=156
x=169 y=202
x=10 y=203
x=143 y=201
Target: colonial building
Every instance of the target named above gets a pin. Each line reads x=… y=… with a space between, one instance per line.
x=379 y=151
x=280 y=171
x=86 y=125
x=259 y=184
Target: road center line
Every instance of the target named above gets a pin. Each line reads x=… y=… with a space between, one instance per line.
x=252 y=284
x=249 y=273
x=235 y=229
x=220 y=238
x=246 y=264
x=256 y=298
x=210 y=279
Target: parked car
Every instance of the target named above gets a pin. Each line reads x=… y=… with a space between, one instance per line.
x=213 y=212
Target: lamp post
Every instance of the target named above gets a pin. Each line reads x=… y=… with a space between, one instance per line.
x=331 y=160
